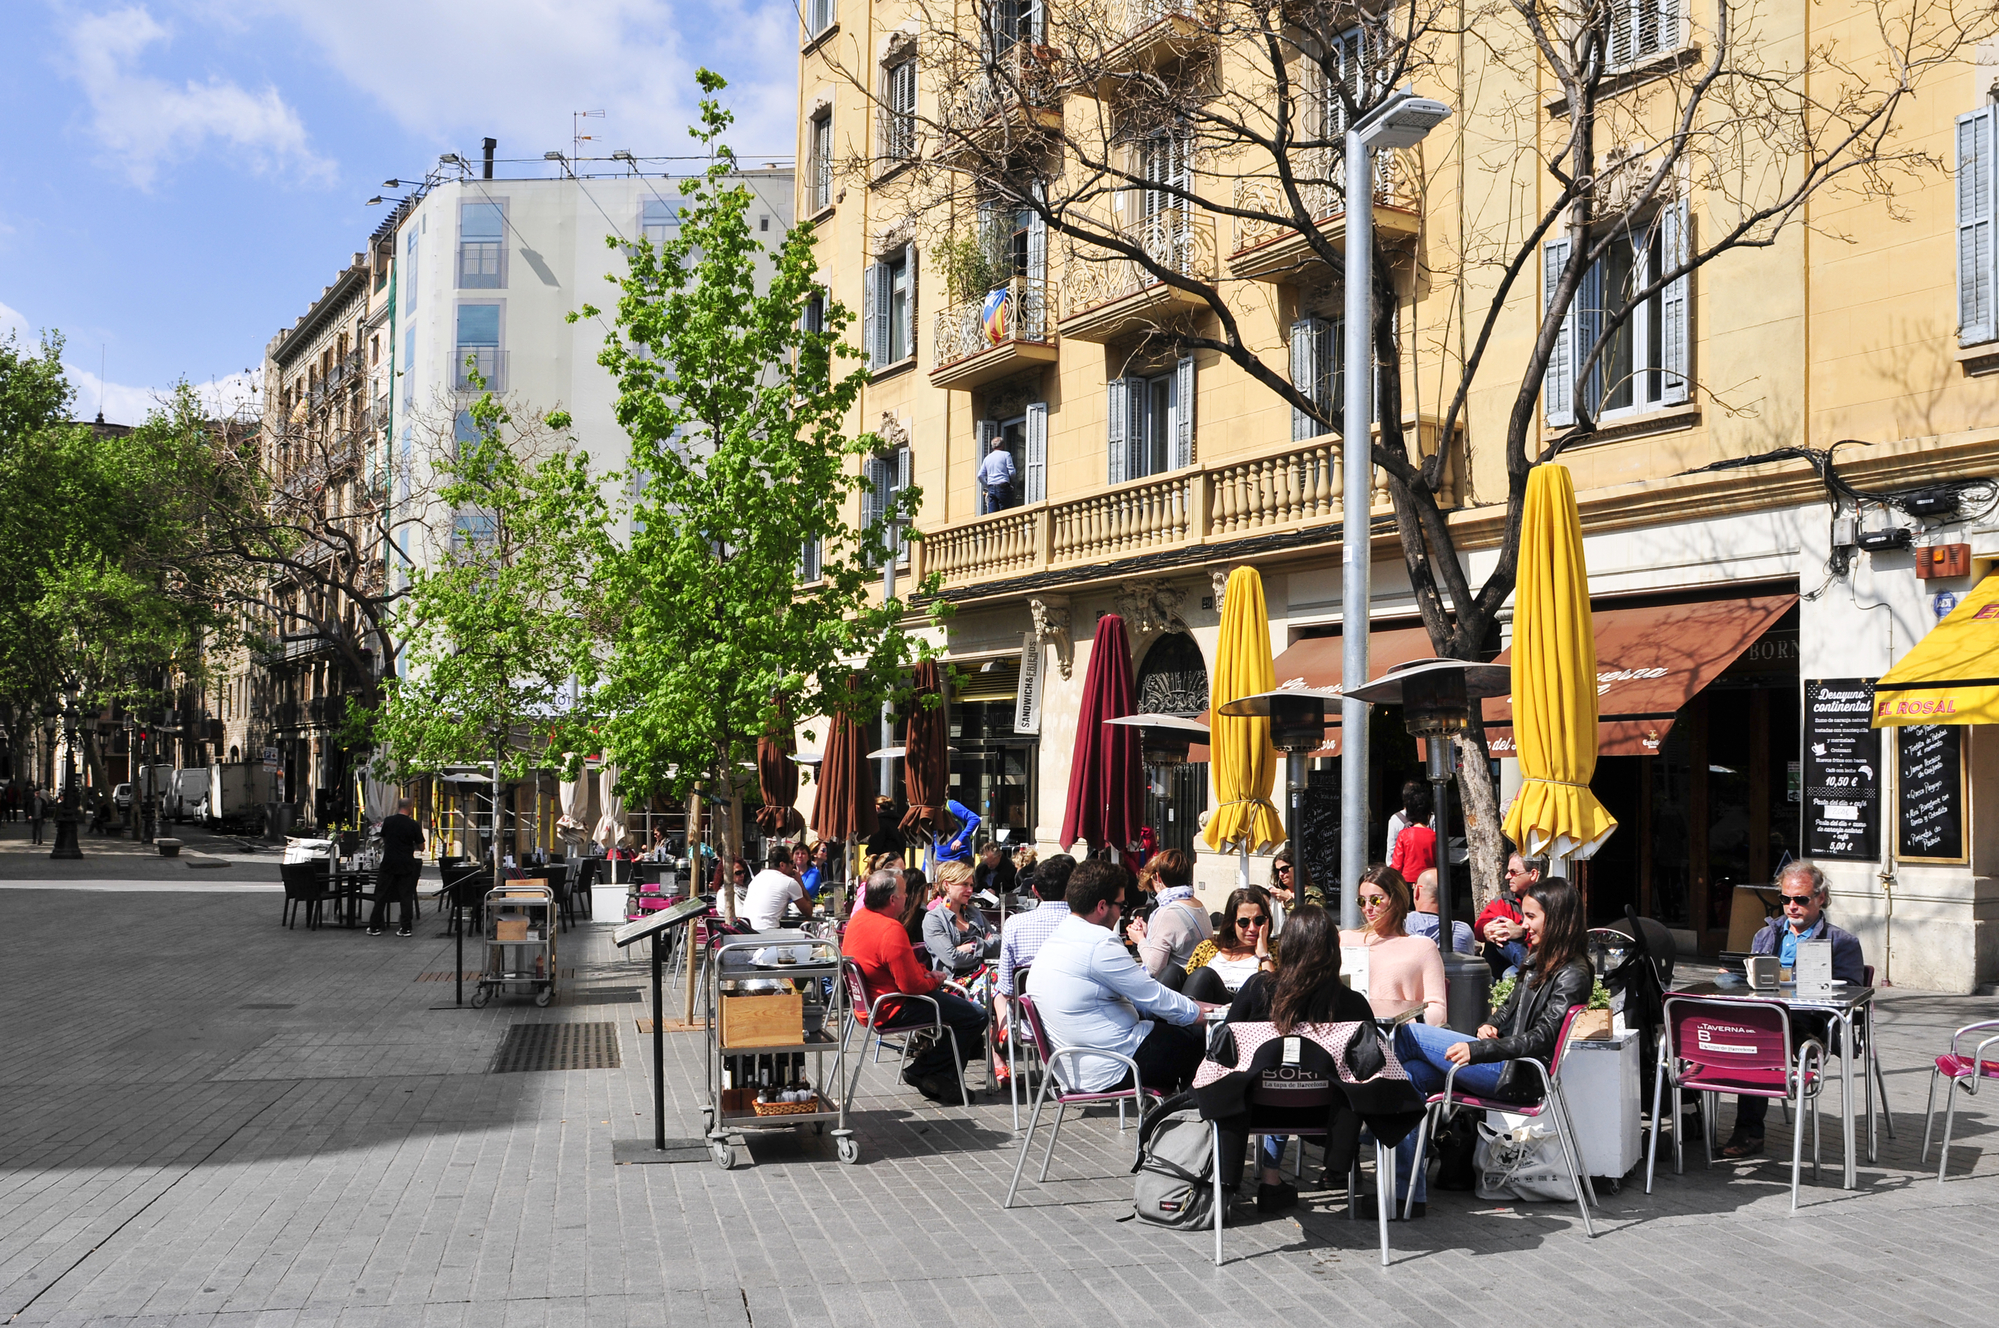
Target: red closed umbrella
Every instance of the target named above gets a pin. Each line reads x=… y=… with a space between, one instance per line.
x=845 y=808
x=926 y=763
x=1106 y=773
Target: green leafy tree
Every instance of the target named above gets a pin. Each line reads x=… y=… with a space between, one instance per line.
x=737 y=412
x=499 y=627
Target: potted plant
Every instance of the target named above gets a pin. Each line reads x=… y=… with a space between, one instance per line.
x=1592 y=1024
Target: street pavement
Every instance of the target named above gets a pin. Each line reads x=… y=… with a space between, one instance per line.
x=211 y=1119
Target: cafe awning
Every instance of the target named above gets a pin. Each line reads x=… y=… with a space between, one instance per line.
x=1952 y=674
x=1651 y=662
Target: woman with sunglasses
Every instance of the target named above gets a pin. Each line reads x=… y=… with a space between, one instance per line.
x=1219 y=967
x=1402 y=970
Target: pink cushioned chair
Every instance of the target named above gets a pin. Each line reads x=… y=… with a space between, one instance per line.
x=1137 y=1094
x=1965 y=1072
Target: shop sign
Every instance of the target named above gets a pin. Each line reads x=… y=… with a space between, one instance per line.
x=270 y=758
x=1842 y=770
x=1027 y=697
x=1929 y=792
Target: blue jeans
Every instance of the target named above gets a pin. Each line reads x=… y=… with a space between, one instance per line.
x=1421 y=1049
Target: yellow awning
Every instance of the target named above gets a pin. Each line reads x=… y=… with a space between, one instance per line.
x=1952 y=676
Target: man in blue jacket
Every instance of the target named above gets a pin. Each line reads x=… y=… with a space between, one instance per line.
x=958 y=848
x=1802 y=889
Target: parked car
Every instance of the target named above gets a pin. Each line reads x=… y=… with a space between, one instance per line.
x=121 y=798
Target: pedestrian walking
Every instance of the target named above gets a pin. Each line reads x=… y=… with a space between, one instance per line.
x=37 y=809
x=402 y=839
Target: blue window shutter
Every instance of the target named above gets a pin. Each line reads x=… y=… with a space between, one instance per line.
x=1183 y=406
x=1115 y=407
x=1676 y=306
x=1974 y=227
x=1558 y=384
x=1036 y=483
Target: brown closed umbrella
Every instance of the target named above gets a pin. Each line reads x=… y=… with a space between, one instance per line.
x=1106 y=775
x=845 y=808
x=777 y=780
x=926 y=765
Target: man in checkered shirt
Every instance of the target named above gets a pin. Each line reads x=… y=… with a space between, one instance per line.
x=1023 y=934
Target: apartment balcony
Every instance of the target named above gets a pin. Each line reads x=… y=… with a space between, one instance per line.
x=1000 y=333
x=1014 y=101
x=1263 y=251
x=1293 y=488
x=1106 y=295
x=1155 y=31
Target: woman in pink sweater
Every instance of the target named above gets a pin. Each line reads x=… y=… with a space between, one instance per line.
x=1401 y=969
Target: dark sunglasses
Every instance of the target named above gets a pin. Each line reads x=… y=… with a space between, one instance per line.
x=1282 y=866
x=1799 y=900
x=1252 y=922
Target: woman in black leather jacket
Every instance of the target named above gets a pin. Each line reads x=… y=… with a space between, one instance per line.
x=1557 y=976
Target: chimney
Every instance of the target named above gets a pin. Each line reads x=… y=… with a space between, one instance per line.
x=488 y=144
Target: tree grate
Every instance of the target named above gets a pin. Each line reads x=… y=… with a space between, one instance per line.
x=530 y=1047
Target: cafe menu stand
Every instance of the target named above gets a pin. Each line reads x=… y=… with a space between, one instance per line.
x=653 y=927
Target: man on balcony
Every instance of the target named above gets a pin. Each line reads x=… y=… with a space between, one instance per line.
x=996 y=477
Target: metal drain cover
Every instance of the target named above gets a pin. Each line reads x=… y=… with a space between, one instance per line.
x=601 y=996
x=558 y=1047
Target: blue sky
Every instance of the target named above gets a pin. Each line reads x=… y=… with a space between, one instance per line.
x=182 y=177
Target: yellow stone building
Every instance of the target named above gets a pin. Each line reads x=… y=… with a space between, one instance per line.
x=1729 y=600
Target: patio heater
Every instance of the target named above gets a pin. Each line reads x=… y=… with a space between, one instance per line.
x=1436 y=696
x=1297 y=718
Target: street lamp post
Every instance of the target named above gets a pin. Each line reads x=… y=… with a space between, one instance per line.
x=1399 y=122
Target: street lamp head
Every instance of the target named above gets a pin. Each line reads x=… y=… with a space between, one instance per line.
x=1402 y=121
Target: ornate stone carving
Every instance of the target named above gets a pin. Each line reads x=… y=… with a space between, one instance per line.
x=1218 y=577
x=1051 y=625
x=1149 y=609
x=893 y=432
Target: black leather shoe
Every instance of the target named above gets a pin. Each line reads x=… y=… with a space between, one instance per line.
x=1276 y=1198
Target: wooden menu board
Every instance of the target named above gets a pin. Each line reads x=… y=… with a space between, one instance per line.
x=1929 y=793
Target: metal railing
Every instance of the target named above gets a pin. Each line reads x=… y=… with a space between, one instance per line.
x=1173 y=239
x=1018 y=311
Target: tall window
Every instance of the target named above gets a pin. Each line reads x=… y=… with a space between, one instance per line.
x=899 y=110
x=888 y=475
x=481 y=246
x=819 y=185
x=1640 y=28
x=1151 y=423
x=819 y=16
x=1643 y=364
x=889 y=314
x=1011 y=23
x=1318 y=370
x=478 y=345
x=659 y=221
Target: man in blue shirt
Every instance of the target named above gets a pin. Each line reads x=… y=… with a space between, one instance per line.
x=1801 y=887
x=1422 y=920
x=1092 y=993
x=958 y=848
x=996 y=476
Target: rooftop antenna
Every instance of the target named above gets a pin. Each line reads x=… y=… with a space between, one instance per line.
x=577 y=138
x=103 y=353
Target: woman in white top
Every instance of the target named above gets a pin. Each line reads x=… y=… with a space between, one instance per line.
x=1218 y=968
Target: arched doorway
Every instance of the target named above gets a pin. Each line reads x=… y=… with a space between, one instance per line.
x=1173 y=680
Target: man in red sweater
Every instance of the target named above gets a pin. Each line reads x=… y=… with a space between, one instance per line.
x=1499 y=923
x=877 y=943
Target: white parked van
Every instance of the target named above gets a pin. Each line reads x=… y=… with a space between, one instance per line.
x=187 y=792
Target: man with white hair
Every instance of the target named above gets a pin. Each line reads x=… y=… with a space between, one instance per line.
x=996 y=473
x=1801 y=888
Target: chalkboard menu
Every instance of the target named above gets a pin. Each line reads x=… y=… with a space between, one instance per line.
x=1929 y=792
x=1842 y=760
x=1319 y=827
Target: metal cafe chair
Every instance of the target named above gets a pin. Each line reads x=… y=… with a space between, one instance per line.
x=1741 y=1046
x=1136 y=1095
x=1551 y=1104
x=1963 y=1072
x=865 y=1014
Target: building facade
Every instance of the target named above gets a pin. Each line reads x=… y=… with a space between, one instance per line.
x=1729 y=600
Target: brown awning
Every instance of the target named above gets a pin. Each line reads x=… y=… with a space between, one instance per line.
x=1315 y=662
x=1651 y=662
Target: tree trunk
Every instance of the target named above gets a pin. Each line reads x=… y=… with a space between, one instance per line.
x=1478 y=795
x=731 y=843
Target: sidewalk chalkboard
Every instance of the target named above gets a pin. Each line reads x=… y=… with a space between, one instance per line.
x=1842 y=756
x=1929 y=792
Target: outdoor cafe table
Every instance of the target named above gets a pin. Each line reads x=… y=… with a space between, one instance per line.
x=1845 y=1005
x=352 y=885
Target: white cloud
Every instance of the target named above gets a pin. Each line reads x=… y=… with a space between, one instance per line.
x=123 y=403
x=146 y=123
x=519 y=68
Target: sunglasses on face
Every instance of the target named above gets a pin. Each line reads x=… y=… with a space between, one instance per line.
x=1251 y=922
x=1284 y=867
x=1801 y=901
x=1373 y=901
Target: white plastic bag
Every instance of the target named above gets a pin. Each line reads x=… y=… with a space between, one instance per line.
x=1524 y=1163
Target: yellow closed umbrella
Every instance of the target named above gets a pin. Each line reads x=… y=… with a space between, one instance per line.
x=1554 y=679
x=1245 y=762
